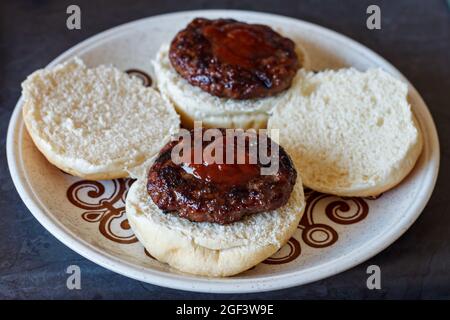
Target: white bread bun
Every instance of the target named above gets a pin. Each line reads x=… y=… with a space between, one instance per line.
x=192 y=103
x=210 y=249
x=95 y=123
x=349 y=133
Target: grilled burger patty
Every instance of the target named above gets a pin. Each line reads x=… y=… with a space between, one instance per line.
x=232 y=59
x=218 y=193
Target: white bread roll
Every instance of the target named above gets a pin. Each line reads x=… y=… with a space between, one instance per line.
x=95 y=123
x=210 y=249
x=349 y=133
x=192 y=103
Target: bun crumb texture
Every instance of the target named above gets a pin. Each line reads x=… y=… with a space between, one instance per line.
x=95 y=123
x=349 y=133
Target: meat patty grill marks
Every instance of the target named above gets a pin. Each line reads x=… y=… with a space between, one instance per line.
x=232 y=59
x=222 y=193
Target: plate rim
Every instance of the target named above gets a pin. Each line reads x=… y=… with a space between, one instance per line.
x=221 y=285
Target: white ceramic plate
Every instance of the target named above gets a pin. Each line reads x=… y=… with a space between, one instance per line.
x=335 y=233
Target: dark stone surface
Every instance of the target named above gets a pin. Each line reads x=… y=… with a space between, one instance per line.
x=414 y=37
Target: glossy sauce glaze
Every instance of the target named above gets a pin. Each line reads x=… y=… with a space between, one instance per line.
x=214 y=168
x=239 y=44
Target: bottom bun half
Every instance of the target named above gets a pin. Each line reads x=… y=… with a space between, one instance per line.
x=209 y=249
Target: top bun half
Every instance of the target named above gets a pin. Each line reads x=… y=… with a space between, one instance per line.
x=95 y=123
x=349 y=133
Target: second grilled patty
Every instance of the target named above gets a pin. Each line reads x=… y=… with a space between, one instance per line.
x=218 y=193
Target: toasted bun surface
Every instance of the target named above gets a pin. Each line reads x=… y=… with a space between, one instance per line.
x=95 y=123
x=194 y=104
x=210 y=249
x=349 y=133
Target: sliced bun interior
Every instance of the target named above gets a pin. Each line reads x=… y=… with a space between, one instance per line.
x=349 y=133
x=95 y=123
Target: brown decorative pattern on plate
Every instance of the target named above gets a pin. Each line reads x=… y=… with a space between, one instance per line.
x=292 y=251
x=141 y=75
x=104 y=206
x=339 y=210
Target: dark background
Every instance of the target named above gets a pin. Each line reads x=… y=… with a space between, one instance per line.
x=415 y=37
